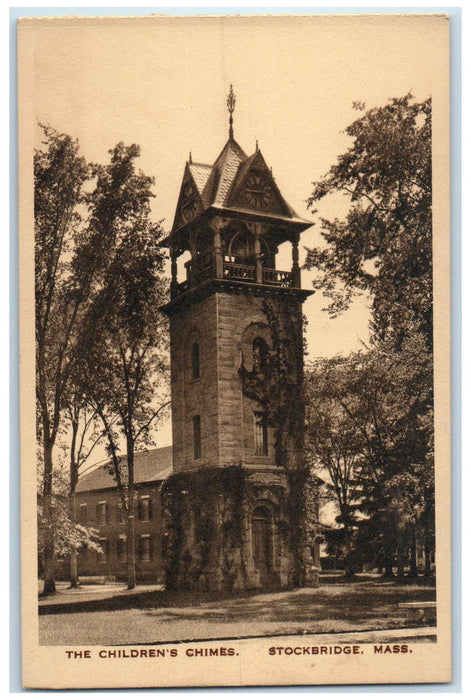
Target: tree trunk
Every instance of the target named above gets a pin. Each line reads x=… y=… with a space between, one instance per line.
x=131 y=546
x=73 y=508
x=413 y=553
x=401 y=556
x=349 y=570
x=74 y=582
x=131 y=518
x=388 y=560
x=49 y=559
x=73 y=548
x=428 y=563
x=390 y=546
x=428 y=541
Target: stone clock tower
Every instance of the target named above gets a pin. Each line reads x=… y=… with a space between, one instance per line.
x=234 y=503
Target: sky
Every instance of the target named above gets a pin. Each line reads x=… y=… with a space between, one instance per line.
x=162 y=83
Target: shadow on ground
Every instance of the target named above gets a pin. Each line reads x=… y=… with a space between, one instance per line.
x=365 y=601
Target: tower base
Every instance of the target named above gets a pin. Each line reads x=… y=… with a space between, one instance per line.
x=231 y=529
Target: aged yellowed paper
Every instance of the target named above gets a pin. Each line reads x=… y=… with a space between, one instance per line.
x=216 y=492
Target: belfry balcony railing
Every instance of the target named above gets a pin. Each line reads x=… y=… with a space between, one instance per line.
x=204 y=268
x=277 y=277
x=236 y=271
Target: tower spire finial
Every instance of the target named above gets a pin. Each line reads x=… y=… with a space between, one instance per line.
x=231 y=100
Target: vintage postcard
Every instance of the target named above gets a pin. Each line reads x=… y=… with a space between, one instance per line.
x=235 y=370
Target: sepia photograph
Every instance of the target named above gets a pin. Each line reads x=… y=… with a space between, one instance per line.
x=234 y=334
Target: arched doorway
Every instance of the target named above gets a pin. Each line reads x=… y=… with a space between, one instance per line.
x=262 y=542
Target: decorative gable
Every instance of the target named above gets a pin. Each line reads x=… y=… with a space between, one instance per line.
x=254 y=188
x=235 y=182
x=190 y=203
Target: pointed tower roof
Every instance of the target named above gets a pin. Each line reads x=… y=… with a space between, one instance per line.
x=236 y=186
x=200 y=174
x=225 y=169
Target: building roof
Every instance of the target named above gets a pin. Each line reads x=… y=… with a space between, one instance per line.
x=201 y=173
x=153 y=465
x=221 y=186
x=226 y=168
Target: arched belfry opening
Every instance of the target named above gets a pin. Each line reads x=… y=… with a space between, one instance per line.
x=241 y=249
x=230 y=221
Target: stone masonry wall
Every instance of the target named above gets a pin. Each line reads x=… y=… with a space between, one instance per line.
x=190 y=396
x=236 y=312
x=224 y=325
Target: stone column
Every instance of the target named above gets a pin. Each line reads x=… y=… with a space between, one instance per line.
x=217 y=225
x=192 y=267
x=258 y=256
x=295 y=271
x=257 y=229
x=174 y=281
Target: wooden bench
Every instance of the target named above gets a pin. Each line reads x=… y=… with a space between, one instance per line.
x=421 y=611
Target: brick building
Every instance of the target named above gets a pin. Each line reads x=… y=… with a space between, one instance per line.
x=98 y=506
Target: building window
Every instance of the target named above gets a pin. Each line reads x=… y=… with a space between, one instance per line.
x=195 y=361
x=259 y=354
x=104 y=555
x=144 y=508
x=197 y=436
x=122 y=548
x=121 y=513
x=102 y=513
x=145 y=548
x=83 y=513
x=261 y=433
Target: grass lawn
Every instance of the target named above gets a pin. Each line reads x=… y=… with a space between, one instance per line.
x=151 y=617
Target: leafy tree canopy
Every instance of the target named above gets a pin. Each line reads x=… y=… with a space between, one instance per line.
x=124 y=339
x=370 y=427
x=383 y=247
x=100 y=338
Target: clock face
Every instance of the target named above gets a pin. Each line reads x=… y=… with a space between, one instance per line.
x=189 y=202
x=258 y=191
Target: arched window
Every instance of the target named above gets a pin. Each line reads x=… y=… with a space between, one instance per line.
x=259 y=354
x=195 y=361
